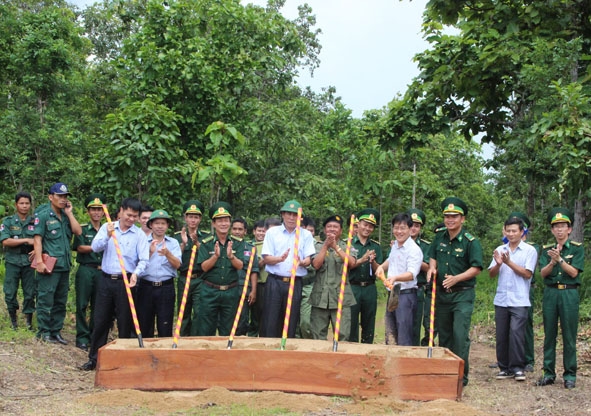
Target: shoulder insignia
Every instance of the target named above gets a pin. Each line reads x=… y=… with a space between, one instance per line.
x=440 y=229
x=375 y=241
x=576 y=243
x=178 y=232
x=547 y=246
x=531 y=243
x=469 y=236
x=425 y=241
x=84 y=225
x=235 y=238
x=208 y=239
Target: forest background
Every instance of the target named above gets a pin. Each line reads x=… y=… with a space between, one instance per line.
x=171 y=100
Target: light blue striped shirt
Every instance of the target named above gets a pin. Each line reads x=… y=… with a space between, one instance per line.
x=134 y=248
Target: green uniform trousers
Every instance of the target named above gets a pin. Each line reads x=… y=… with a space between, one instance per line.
x=304 y=326
x=320 y=318
x=367 y=305
x=256 y=311
x=245 y=313
x=529 y=331
x=52 y=296
x=217 y=310
x=560 y=305
x=26 y=276
x=190 y=317
x=453 y=312
x=85 y=285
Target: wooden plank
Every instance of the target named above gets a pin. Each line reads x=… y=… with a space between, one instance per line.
x=256 y=364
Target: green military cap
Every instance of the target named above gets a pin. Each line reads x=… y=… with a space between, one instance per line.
x=291 y=206
x=193 y=206
x=522 y=217
x=416 y=215
x=453 y=205
x=95 y=200
x=369 y=215
x=560 y=214
x=159 y=214
x=220 y=209
x=334 y=218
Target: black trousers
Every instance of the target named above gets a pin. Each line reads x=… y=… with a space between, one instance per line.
x=274 y=306
x=510 y=327
x=111 y=300
x=155 y=303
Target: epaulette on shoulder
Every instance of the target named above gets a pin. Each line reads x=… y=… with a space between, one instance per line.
x=84 y=225
x=235 y=238
x=178 y=232
x=576 y=243
x=469 y=236
x=547 y=246
x=531 y=243
x=208 y=239
x=375 y=241
x=440 y=229
x=206 y=232
x=425 y=241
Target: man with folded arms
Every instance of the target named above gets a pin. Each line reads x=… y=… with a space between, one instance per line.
x=111 y=299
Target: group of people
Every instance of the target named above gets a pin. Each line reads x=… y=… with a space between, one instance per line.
x=216 y=263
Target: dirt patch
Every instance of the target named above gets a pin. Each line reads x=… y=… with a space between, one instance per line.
x=37 y=378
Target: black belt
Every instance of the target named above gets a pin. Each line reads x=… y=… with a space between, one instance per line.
x=92 y=266
x=284 y=279
x=221 y=287
x=406 y=291
x=561 y=286
x=115 y=276
x=363 y=284
x=144 y=282
x=454 y=289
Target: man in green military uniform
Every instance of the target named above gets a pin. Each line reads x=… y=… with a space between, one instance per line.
x=239 y=229
x=423 y=294
x=328 y=262
x=362 y=277
x=53 y=231
x=89 y=272
x=189 y=236
x=16 y=234
x=220 y=257
x=561 y=265
x=455 y=259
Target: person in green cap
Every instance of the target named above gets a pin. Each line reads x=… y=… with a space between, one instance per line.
x=455 y=259
x=362 y=277
x=422 y=314
x=53 y=231
x=561 y=265
x=220 y=257
x=155 y=292
x=329 y=261
x=189 y=236
x=278 y=258
x=16 y=234
x=89 y=270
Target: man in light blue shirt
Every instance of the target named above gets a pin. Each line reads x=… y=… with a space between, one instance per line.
x=155 y=292
x=111 y=295
x=514 y=263
x=278 y=258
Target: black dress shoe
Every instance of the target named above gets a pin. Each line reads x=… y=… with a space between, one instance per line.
x=545 y=381
x=569 y=384
x=82 y=346
x=59 y=339
x=49 y=339
x=88 y=366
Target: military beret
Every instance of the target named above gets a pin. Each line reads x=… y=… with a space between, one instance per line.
x=416 y=215
x=369 y=215
x=220 y=209
x=453 y=205
x=522 y=217
x=95 y=200
x=159 y=214
x=334 y=218
x=193 y=206
x=560 y=214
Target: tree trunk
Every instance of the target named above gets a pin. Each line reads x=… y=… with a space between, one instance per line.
x=579 y=223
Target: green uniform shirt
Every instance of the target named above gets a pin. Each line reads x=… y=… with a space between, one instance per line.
x=222 y=272
x=424 y=245
x=538 y=250
x=85 y=239
x=14 y=227
x=573 y=253
x=247 y=251
x=363 y=272
x=455 y=256
x=56 y=235
x=325 y=293
x=262 y=272
x=186 y=255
